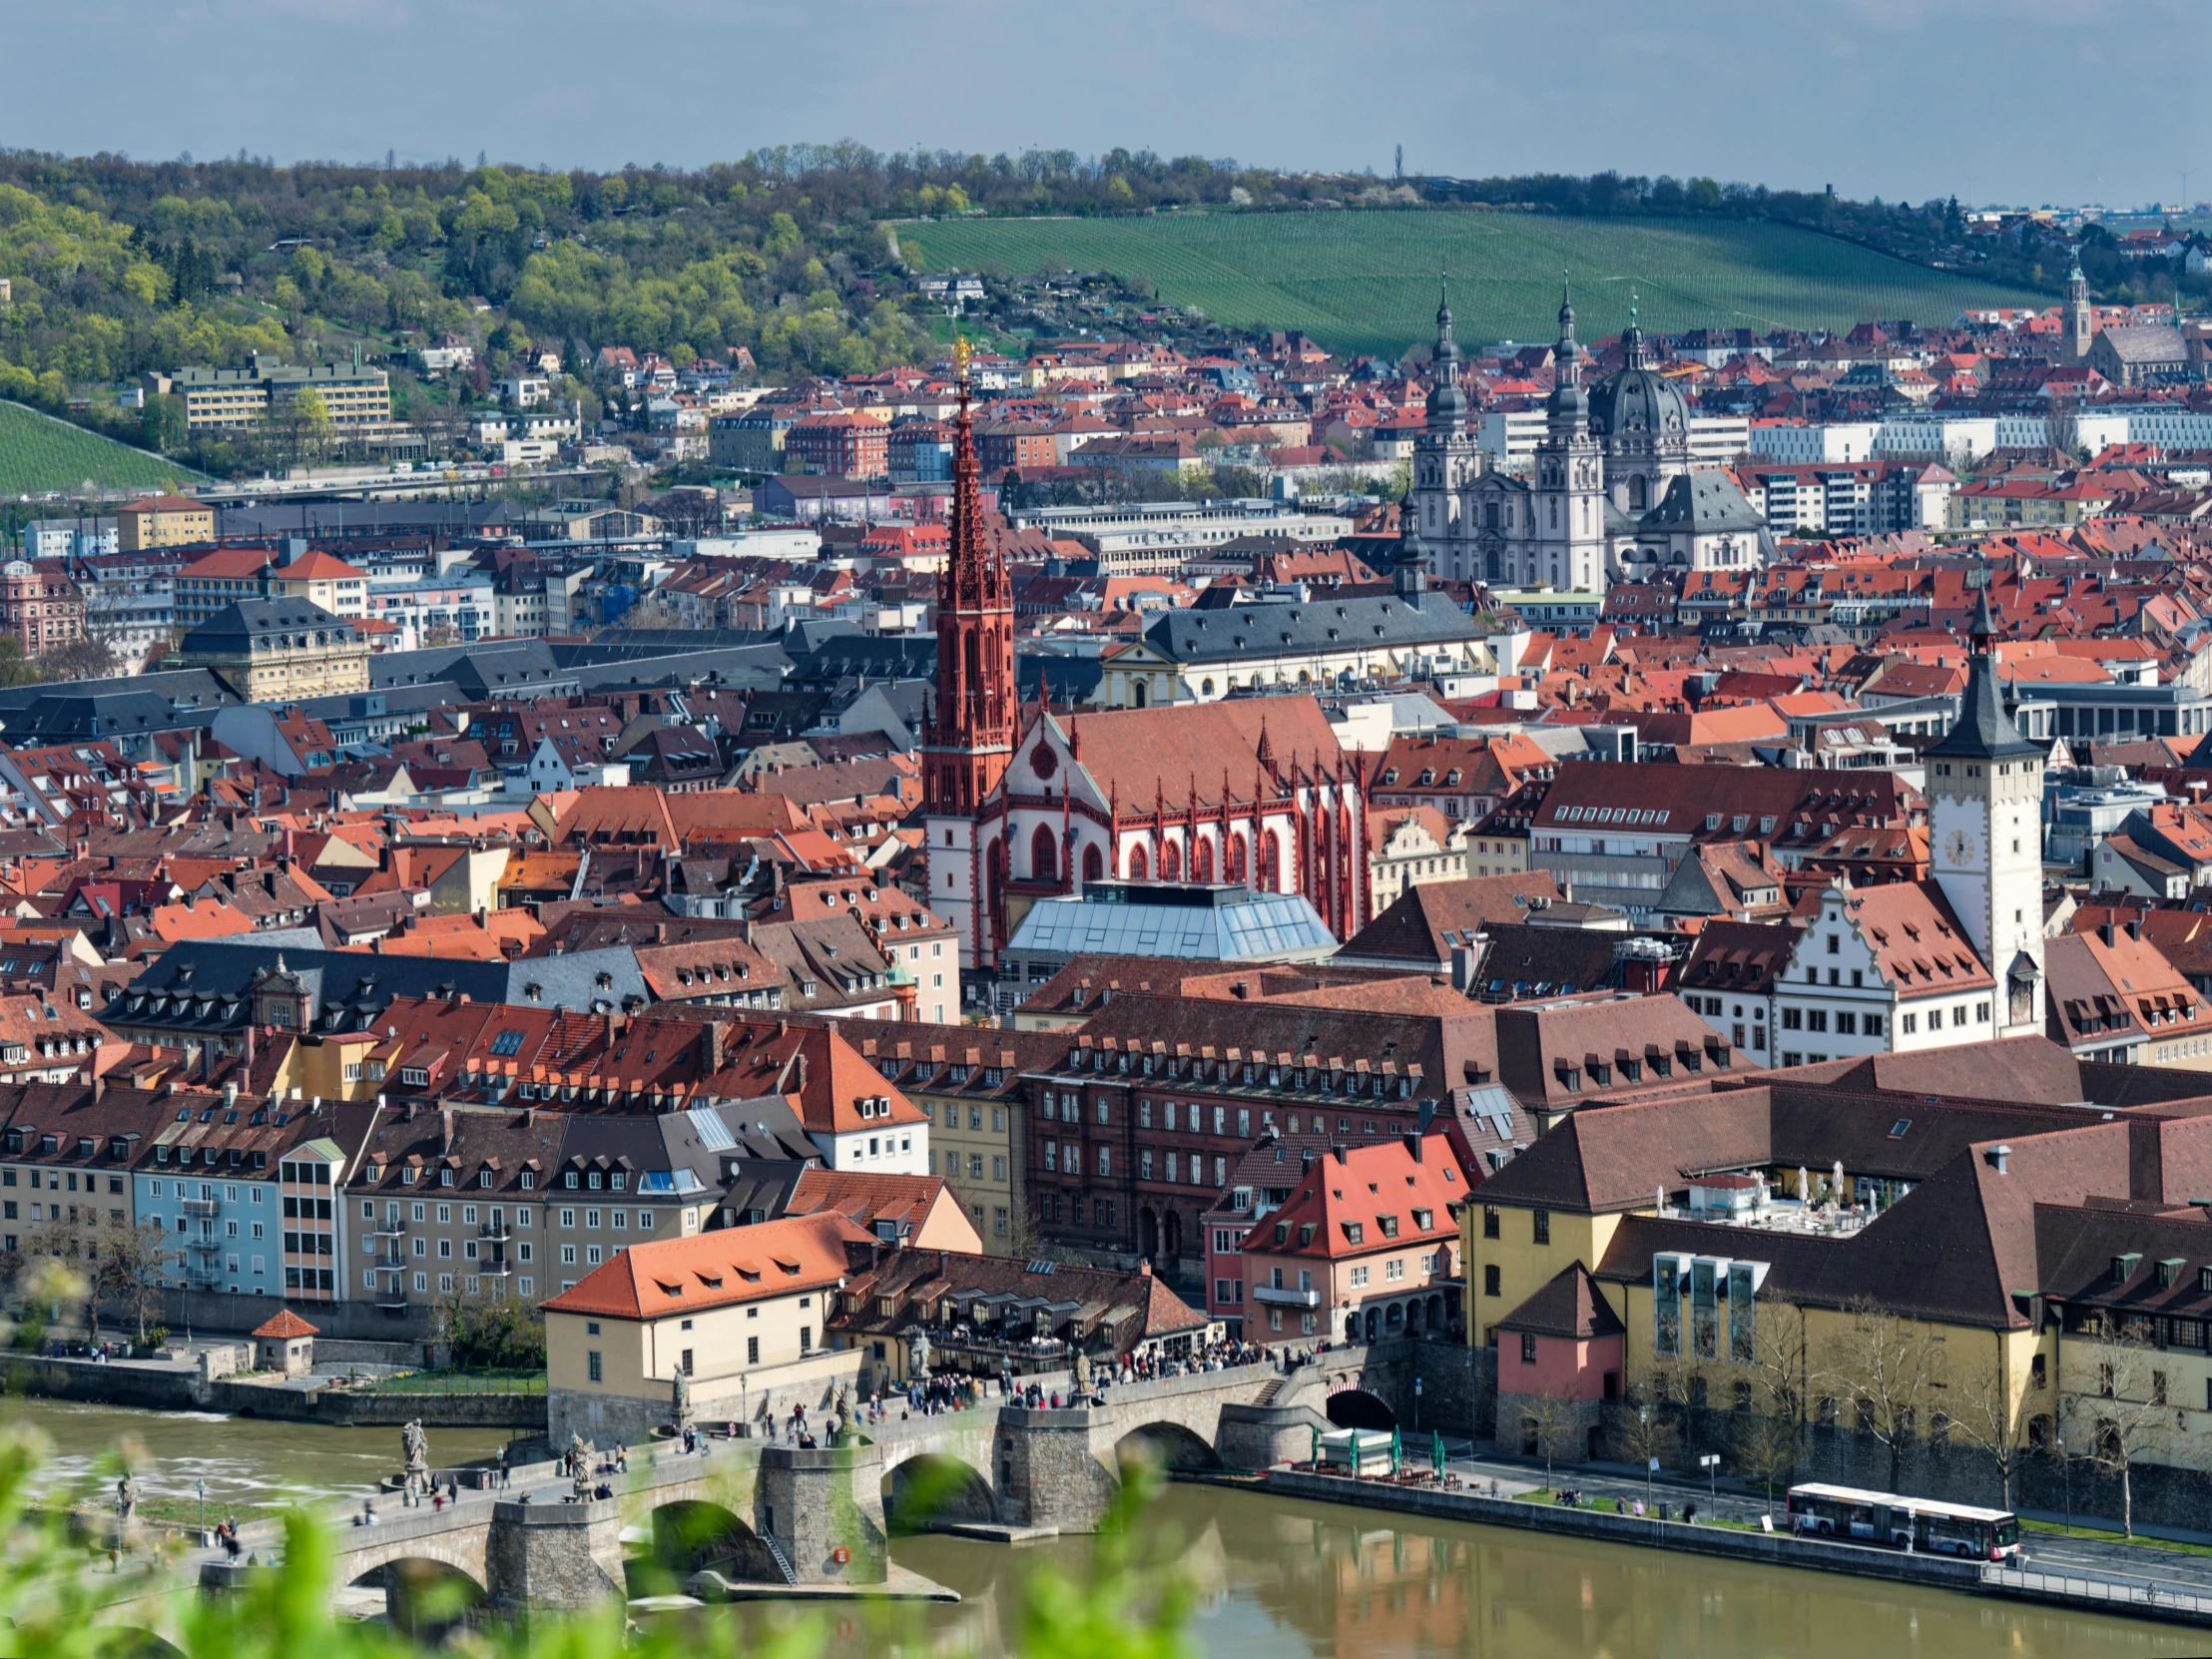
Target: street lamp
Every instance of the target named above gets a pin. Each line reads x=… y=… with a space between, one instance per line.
x=1711 y=1463
x=202 y=1487
x=1651 y=1465
x=1416 y=1404
x=2066 y=1471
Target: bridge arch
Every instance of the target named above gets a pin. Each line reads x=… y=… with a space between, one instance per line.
x=1172 y=1444
x=130 y=1641
x=930 y=1487
x=426 y=1595
x=1357 y=1408
x=690 y=1534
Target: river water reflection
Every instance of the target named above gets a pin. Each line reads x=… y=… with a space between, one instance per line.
x=1278 y=1579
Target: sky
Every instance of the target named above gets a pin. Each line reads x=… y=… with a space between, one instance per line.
x=1999 y=102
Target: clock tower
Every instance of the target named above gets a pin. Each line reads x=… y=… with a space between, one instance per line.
x=1986 y=799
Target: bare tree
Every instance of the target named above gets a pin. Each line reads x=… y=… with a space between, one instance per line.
x=1887 y=1368
x=1768 y=1446
x=1648 y=1432
x=130 y=1265
x=2129 y=1417
x=1984 y=1415
x=1552 y=1418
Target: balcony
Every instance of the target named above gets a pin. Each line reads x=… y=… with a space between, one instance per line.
x=204 y=1208
x=498 y=1266
x=1283 y=1297
x=391 y=1261
x=496 y=1230
x=391 y=1228
x=205 y=1245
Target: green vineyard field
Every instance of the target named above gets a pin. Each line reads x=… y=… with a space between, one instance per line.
x=39 y=454
x=1367 y=282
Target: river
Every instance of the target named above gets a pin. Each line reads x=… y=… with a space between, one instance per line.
x=245 y=1464
x=1274 y=1578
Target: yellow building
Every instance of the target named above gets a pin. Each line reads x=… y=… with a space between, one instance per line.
x=357 y=399
x=278 y=650
x=969 y=1083
x=164 y=521
x=741 y=1315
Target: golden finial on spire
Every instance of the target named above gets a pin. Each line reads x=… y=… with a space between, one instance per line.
x=962 y=351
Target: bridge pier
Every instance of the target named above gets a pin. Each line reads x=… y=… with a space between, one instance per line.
x=1049 y=1472
x=562 y=1557
x=815 y=1505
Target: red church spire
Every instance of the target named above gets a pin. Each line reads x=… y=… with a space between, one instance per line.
x=970 y=737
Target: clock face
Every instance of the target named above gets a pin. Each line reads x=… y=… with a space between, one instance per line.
x=1958 y=848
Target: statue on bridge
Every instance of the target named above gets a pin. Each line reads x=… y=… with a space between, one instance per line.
x=418 y=1446
x=681 y=1403
x=1082 y=1373
x=844 y=1422
x=126 y=1497
x=918 y=1358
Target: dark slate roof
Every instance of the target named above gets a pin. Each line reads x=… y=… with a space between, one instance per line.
x=745 y=665
x=1983 y=731
x=187 y=688
x=503 y=668
x=621 y=645
x=202 y=985
x=1272 y=628
x=1639 y=400
x=66 y=714
x=1420 y=926
x=1524 y=961
x=1704 y=502
x=1570 y=1305
x=232 y=630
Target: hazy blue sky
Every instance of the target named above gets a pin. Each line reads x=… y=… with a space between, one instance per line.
x=1995 y=100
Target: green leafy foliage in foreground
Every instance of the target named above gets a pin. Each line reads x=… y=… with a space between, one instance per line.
x=58 y=1591
x=1367 y=282
x=40 y=454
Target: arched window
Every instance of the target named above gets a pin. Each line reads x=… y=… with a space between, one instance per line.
x=1236 y=855
x=1139 y=865
x=1140 y=693
x=1202 y=860
x=1171 y=863
x=1093 y=866
x=1270 y=862
x=1044 y=860
x=1636 y=497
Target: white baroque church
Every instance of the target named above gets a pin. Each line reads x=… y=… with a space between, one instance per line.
x=1611 y=496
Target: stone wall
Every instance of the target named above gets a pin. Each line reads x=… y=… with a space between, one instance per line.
x=1048 y=1470
x=558 y=1556
x=820 y=1504
x=203 y=1312
x=1582 y=1434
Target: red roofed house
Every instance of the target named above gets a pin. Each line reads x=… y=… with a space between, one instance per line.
x=286 y=1344
x=1354 y=1251
x=739 y=1313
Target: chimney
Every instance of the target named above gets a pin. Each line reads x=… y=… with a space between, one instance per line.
x=1998 y=1156
x=2105 y=932
x=1340 y=1155
x=446 y=1129
x=1240 y=990
x=2135 y=928
x=660 y=932
x=229 y=1094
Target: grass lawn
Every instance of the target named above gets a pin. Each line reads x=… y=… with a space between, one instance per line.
x=1367 y=282
x=457 y=1383
x=39 y=454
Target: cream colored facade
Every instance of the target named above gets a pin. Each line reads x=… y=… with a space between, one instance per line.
x=275 y=673
x=976 y=1145
x=1412 y=857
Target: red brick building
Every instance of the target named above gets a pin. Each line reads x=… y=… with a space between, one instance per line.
x=846 y=443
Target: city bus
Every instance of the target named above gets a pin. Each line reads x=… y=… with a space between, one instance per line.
x=1932 y=1528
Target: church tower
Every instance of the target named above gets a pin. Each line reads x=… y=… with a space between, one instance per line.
x=1985 y=795
x=1566 y=543
x=2081 y=320
x=968 y=735
x=1444 y=457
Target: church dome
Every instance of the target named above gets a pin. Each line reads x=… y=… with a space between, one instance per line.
x=1636 y=399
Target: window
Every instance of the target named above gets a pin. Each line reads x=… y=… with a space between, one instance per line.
x=752 y=1350
x=1541 y=1226
x=1528 y=1348
x=592 y=1361
x=1793 y=1019
x=1489 y=1221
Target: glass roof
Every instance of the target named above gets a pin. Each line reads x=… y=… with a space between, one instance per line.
x=1235 y=927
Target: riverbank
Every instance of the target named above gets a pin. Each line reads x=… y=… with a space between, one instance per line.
x=2139 y=1598
x=331 y=1400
